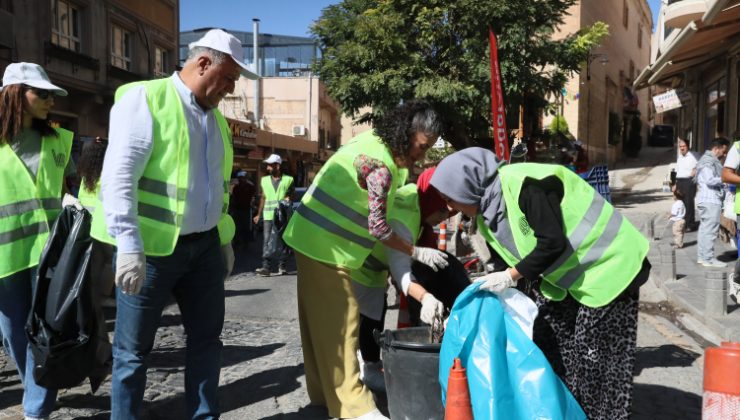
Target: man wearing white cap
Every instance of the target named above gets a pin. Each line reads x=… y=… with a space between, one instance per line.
x=275 y=186
x=164 y=191
x=34 y=159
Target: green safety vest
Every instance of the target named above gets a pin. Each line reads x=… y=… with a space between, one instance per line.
x=272 y=197
x=88 y=199
x=737 y=190
x=605 y=251
x=330 y=224
x=374 y=270
x=162 y=189
x=28 y=207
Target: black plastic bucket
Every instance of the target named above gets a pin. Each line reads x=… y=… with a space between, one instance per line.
x=411 y=367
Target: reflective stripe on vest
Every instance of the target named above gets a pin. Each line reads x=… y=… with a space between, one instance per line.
x=28 y=205
x=373 y=264
x=374 y=271
x=321 y=196
x=330 y=225
x=24 y=206
x=597 y=234
x=162 y=189
x=23 y=232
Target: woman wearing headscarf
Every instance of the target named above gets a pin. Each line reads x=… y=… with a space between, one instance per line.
x=34 y=159
x=586 y=261
x=336 y=226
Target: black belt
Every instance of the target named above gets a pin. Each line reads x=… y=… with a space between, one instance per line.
x=196 y=235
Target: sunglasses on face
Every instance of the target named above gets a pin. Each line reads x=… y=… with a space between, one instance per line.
x=41 y=93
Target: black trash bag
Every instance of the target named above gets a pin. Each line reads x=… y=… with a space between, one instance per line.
x=66 y=328
x=282 y=215
x=275 y=245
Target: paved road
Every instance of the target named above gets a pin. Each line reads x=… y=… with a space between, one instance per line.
x=262 y=374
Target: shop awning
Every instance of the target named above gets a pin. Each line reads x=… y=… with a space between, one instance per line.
x=699 y=41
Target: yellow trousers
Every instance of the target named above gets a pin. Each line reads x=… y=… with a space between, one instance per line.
x=329 y=319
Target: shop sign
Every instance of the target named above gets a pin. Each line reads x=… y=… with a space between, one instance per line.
x=667 y=101
x=244 y=130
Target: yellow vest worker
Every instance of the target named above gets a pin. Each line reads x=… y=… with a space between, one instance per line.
x=164 y=194
x=33 y=160
x=552 y=229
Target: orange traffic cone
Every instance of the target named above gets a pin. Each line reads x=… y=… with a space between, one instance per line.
x=722 y=382
x=442 y=236
x=458 y=396
x=403 y=312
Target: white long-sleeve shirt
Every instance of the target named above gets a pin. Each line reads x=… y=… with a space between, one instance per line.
x=130 y=143
x=399 y=263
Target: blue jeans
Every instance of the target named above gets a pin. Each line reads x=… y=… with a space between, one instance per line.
x=708 y=229
x=194 y=274
x=15 y=304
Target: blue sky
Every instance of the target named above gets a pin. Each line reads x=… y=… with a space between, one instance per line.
x=284 y=17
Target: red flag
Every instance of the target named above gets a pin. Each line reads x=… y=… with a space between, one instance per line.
x=500 y=138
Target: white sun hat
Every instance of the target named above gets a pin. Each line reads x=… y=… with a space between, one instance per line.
x=220 y=40
x=30 y=74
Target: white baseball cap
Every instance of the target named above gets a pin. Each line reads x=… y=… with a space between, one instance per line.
x=219 y=40
x=30 y=74
x=273 y=159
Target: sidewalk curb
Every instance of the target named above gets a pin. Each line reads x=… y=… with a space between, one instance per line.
x=678 y=293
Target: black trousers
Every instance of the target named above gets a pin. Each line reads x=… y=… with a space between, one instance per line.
x=688 y=189
x=446 y=285
x=369 y=348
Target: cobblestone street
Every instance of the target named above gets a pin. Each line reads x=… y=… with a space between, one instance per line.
x=262 y=375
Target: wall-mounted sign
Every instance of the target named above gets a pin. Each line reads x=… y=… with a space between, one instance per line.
x=243 y=129
x=667 y=101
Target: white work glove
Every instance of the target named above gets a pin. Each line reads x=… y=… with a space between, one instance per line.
x=430 y=308
x=130 y=272
x=429 y=256
x=496 y=282
x=228 y=253
x=70 y=200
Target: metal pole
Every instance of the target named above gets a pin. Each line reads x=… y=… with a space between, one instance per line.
x=256 y=61
x=520 y=134
x=715 y=297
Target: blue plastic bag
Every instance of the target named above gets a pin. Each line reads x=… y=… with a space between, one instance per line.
x=508 y=375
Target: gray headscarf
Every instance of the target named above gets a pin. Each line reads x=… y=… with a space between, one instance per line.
x=470 y=176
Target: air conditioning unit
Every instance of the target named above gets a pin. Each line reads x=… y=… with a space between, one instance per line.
x=299 y=130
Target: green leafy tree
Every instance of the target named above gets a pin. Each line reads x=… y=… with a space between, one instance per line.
x=379 y=52
x=559 y=125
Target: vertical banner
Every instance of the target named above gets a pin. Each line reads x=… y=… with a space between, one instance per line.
x=500 y=136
